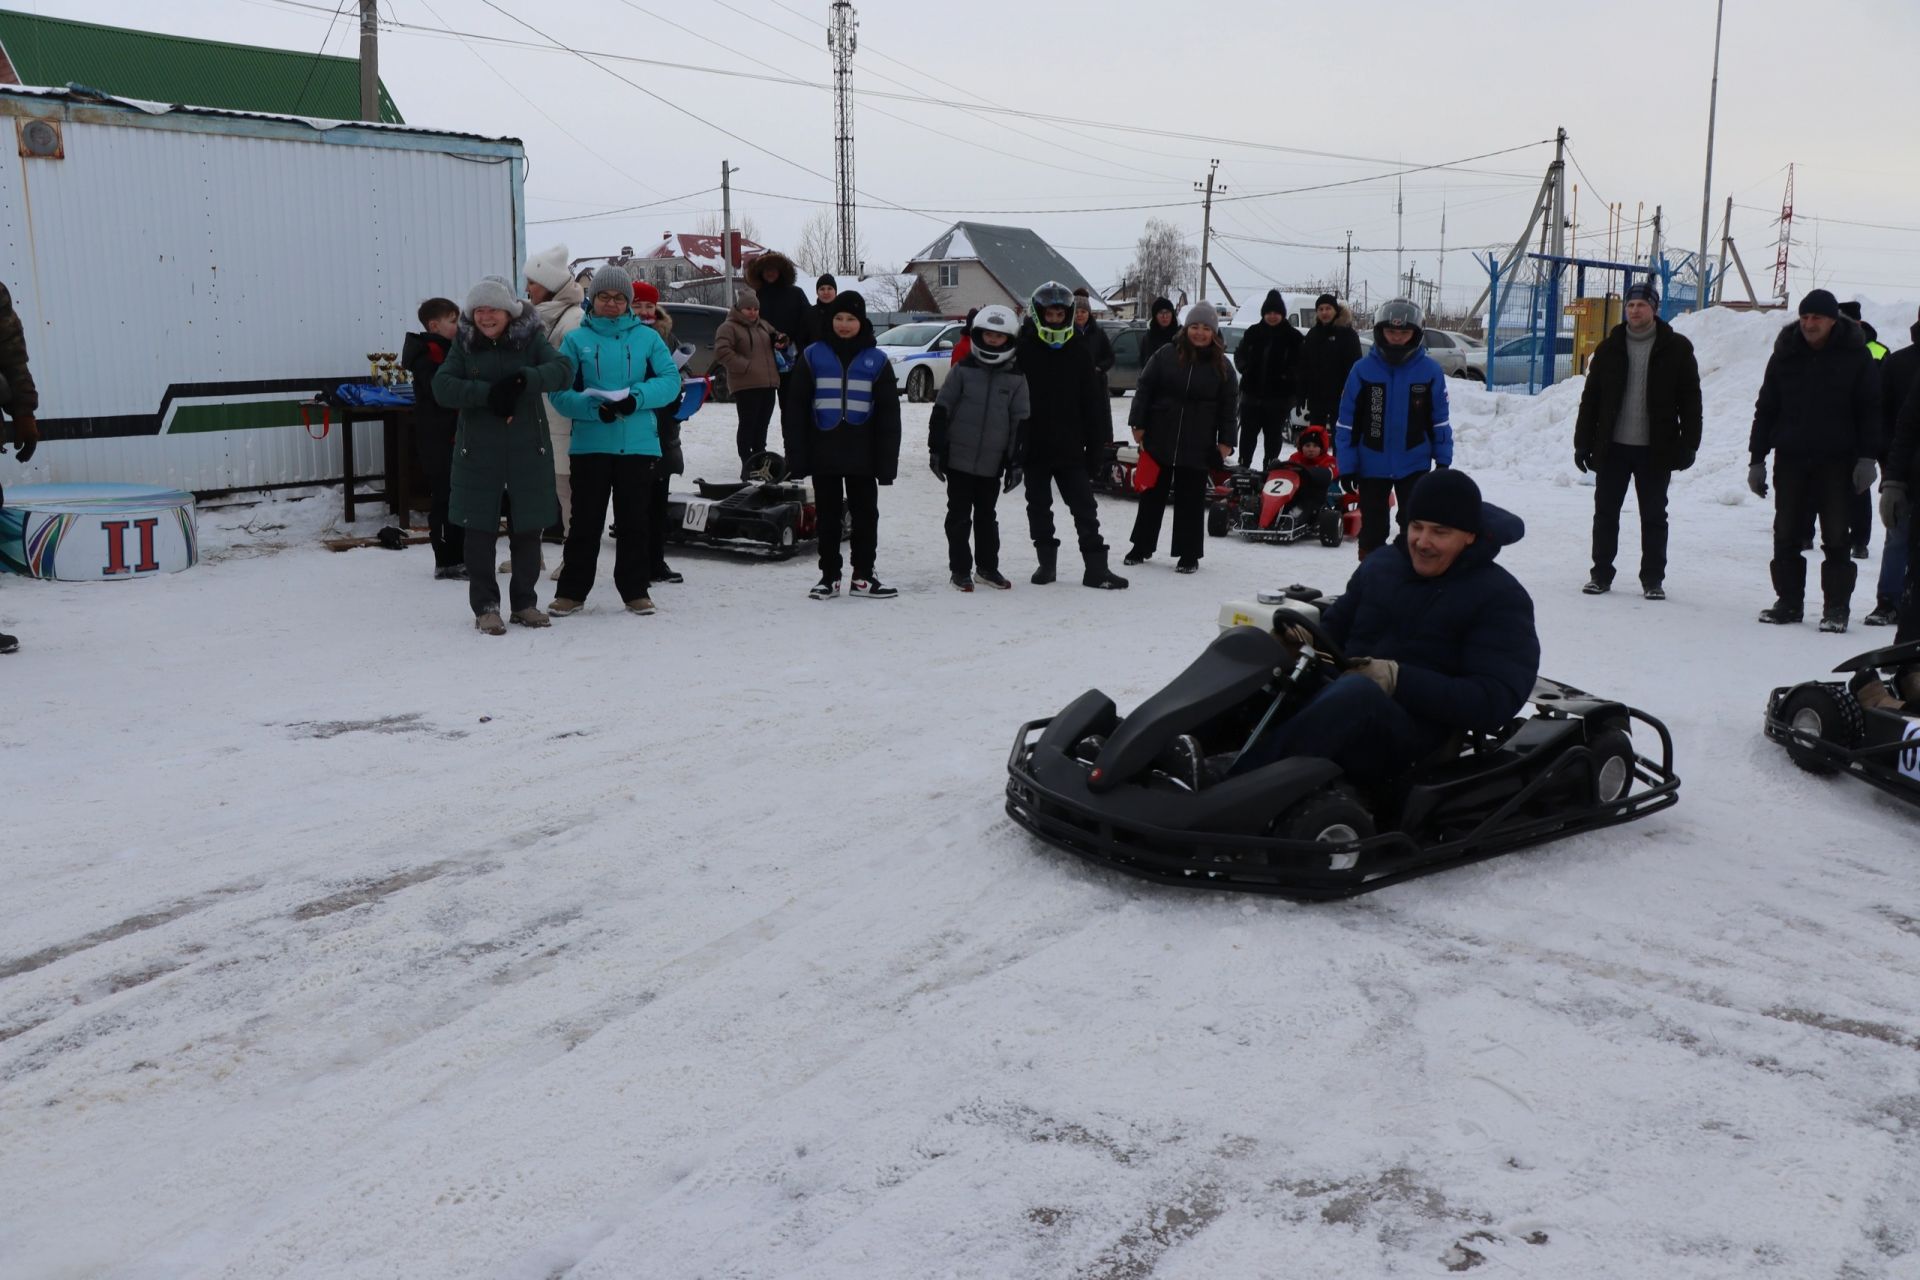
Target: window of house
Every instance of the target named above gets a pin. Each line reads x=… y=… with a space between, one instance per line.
x=949 y=277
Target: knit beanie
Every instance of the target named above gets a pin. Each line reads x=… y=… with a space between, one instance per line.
x=1820 y=303
x=746 y=299
x=847 y=301
x=1273 y=303
x=826 y=282
x=1851 y=310
x=495 y=292
x=1446 y=497
x=1203 y=312
x=643 y=291
x=1326 y=299
x=1643 y=291
x=608 y=278
x=1159 y=305
x=548 y=268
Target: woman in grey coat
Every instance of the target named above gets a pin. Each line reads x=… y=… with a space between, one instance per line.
x=975 y=442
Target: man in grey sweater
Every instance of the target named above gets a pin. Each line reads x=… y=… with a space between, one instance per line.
x=1639 y=423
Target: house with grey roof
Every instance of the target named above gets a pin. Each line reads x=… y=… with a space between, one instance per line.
x=977 y=264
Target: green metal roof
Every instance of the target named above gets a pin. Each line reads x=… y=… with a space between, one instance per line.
x=176 y=69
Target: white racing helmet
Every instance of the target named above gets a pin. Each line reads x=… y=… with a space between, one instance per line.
x=994 y=319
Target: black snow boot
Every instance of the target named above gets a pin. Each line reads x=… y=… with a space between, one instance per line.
x=1098 y=575
x=1834 y=618
x=1885 y=613
x=1597 y=586
x=8 y=644
x=1049 y=556
x=1782 y=612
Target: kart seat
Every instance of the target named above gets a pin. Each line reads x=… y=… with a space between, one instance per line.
x=1230 y=670
x=713 y=489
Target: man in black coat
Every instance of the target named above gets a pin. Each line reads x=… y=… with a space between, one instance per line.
x=825 y=290
x=1639 y=423
x=1899 y=379
x=1897 y=503
x=1265 y=360
x=1818 y=415
x=1069 y=427
x=1097 y=340
x=1328 y=352
x=1163 y=326
x=784 y=305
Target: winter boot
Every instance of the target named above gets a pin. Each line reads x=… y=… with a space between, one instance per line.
x=531 y=618
x=871 y=588
x=1049 y=557
x=1871 y=692
x=1136 y=556
x=1860 y=551
x=449 y=572
x=490 y=623
x=1782 y=613
x=825 y=589
x=992 y=578
x=1596 y=586
x=1834 y=618
x=664 y=572
x=9 y=644
x=1100 y=576
x=563 y=607
x=642 y=605
x=1653 y=591
x=961 y=582
x=1187 y=565
x=1885 y=613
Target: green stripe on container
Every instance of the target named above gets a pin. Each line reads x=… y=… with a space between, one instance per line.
x=238 y=417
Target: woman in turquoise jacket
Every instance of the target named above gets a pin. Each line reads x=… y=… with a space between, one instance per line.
x=1393 y=425
x=624 y=372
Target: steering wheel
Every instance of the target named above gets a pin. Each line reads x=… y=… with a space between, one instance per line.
x=1323 y=644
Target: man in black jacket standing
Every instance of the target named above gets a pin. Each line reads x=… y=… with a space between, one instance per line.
x=1070 y=426
x=1328 y=352
x=1639 y=423
x=1162 y=328
x=1265 y=361
x=1897 y=505
x=1899 y=381
x=1818 y=415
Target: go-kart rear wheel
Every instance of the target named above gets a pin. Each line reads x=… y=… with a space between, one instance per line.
x=1219 y=520
x=1826 y=711
x=1328 y=527
x=1613 y=765
x=1334 y=816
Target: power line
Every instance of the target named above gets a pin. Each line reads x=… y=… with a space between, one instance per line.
x=313 y=63
x=632 y=208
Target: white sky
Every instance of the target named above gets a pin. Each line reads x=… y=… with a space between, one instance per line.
x=1827 y=85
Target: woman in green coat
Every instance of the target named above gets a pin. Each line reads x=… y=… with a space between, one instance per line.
x=494 y=376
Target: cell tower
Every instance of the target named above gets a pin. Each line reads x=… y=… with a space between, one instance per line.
x=843 y=37
x=1786 y=242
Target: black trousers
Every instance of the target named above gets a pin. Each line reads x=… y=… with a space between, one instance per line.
x=1374 y=495
x=483 y=589
x=1260 y=418
x=1908 y=627
x=628 y=479
x=1806 y=489
x=1861 y=517
x=1630 y=464
x=657 y=522
x=1188 y=488
x=433 y=447
x=1314 y=483
x=837 y=499
x=756 y=411
x=1076 y=490
x=970 y=504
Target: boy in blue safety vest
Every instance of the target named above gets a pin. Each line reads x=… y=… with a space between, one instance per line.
x=841 y=425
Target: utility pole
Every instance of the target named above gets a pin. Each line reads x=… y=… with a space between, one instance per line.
x=1399 y=224
x=1782 y=256
x=1653 y=245
x=1440 y=283
x=843 y=38
x=1706 y=195
x=728 y=251
x=1347 y=292
x=1206 y=224
x=1559 y=193
x=369 y=60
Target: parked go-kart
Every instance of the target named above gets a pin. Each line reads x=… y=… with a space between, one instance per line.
x=1826 y=729
x=765 y=512
x=1108 y=789
x=1270 y=508
x=1121 y=476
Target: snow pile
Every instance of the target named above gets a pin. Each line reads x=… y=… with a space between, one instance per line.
x=1531 y=437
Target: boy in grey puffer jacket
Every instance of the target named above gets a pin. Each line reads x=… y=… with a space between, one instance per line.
x=976 y=443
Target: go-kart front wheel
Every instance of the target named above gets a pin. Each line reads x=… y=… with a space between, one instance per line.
x=1219 y=520
x=1613 y=764
x=1333 y=816
x=1826 y=711
x=1328 y=527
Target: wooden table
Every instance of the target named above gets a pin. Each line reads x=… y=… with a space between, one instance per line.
x=397 y=421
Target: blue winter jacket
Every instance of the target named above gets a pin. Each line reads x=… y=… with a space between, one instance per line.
x=1393 y=418
x=615 y=354
x=1465 y=641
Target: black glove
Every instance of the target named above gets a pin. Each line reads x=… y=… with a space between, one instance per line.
x=503 y=395
x=26 y=437
x=1014 y=476
x=1757 y=478
x=1582 y=460
x=937 y=465
x=1683 y=460
x=626 y=406
x=606 y=411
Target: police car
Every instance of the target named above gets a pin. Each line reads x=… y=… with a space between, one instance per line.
x=920 y=354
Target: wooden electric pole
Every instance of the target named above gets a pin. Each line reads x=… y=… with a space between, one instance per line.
x=1206 y=224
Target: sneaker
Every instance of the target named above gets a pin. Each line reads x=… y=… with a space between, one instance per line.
x=1187 y=565
x=1596 y=587
x=490 y=623
x=664 y=572
x=1137 y=556
x=642 y=605
x=1885 y=614
x=561 y=607
x=1834 y=619
x=1859 y=551
x=992 y=578
x=825 y=589
x=1654 y=591
x=531 y=618
x=961 y=582
x=1781 y=613
x=9 y=644
x=872 y=588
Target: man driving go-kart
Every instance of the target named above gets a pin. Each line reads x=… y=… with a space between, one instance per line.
x=1447 y=636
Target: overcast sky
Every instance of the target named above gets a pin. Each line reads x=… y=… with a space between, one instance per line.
x=1828 y=85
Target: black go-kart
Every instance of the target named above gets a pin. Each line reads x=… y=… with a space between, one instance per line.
x=1868 y=726
x=1115 y=790
x=766 y=512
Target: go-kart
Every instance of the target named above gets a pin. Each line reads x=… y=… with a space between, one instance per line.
x=1268 y=507
x=1119 y=473
x=765 y=512
x=1826 y=729
x=1114 y=791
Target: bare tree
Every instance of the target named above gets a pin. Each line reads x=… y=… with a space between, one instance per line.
x=709 y=225
x=1162 y=258
x=818 y=248
x=887 y=288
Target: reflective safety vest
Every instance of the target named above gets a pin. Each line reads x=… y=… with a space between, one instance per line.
x=843 y=395
x=1877 y=349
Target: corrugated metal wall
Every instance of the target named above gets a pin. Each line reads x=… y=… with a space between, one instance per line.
x=149 y=257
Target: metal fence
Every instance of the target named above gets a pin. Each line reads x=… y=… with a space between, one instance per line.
x=1546 y=313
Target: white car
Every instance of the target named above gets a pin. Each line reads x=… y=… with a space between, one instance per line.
x=921 y=354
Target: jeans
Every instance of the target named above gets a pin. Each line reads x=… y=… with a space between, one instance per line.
x=1373 y=508
x=483 y=589
x=756 y=411
x=1624 y=464
x=628 y=478
x=1893 y=561
x=1077 y=492
x=1355 y=724
x=835 y=498
x=1824 y=488
x=970 y=503
x=1188 y=487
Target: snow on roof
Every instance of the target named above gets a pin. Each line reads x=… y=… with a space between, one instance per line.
x=80 y=93
x=1018 y=257
x=706 y=252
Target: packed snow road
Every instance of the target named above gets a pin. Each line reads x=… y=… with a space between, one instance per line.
x=341 y=940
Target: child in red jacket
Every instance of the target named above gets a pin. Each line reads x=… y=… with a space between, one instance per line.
x=1314 y=460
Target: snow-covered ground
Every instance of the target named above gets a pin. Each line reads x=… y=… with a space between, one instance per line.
x=341 y=941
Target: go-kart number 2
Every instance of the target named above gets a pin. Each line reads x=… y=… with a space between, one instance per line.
x=1910 y=755
x=1278 y=487
x=696 y=516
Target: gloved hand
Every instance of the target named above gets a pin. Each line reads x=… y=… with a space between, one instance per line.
x=1582 y=460
x=1683 y=460
x=626 y=406
x=1864 y=471
x=1893 y=503
x=606 y=411
x=1014 y=476
x=503 y=395
x=26 y=437
x=1757 y=479
x=937 y=465
x=1382 y=672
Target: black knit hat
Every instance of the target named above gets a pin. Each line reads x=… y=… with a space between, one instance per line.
x=848 y=301
x=1326 y=300
x=1820 y=303
x=1851 y=310
x=1643 y=291
x=1273 y=302
x=1446 y=497
x=826 y=281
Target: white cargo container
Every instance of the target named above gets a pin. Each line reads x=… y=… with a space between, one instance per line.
x=187 y=276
